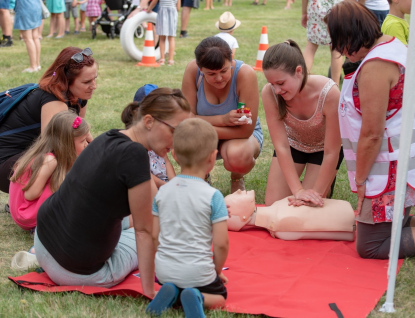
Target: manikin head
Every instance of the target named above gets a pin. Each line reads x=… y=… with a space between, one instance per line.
x=241 y=203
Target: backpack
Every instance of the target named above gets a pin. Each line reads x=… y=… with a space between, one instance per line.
x=12 y=97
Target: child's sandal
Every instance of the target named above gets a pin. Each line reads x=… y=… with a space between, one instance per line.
x=171 y=62
x=161 y=61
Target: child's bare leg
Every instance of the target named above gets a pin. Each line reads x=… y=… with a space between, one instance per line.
x=60 y=20
x=171 y=49
x=76 y=20
x=162 y=45
x=67 y=26
x=213 y=301
x=83 y=17
x=52 y=24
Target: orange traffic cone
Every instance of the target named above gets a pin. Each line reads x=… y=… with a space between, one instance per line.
x=149 y=53
x=263 y=46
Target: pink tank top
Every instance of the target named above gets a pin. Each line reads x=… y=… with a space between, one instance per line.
x=24 y=212
x=308 y=135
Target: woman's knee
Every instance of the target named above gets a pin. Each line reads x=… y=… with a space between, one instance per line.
x=373 y=240
x=238 y=161
x=238 y=157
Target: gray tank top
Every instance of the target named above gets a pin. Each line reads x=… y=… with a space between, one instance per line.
x=204 y=108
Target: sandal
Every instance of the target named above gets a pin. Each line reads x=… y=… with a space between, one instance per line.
x=161 y=61
x=171 y=63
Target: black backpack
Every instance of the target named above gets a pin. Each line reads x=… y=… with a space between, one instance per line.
x=12 y=97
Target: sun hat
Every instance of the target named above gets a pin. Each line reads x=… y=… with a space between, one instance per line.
x=227 y=22
x=143 y=91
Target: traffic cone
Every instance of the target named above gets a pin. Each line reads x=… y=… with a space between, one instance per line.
x=263 y=46
x=149 y=53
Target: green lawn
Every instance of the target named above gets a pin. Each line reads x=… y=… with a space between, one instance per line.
x=117 y=82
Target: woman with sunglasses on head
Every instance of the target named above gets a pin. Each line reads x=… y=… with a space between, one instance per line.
x=370 y=116
x=96 y=229
x=215 y=85
x=67 y=84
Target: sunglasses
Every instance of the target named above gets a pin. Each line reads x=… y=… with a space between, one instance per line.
x=79 y=57
x=168 y=125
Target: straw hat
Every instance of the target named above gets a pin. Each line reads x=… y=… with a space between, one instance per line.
x=227 y=22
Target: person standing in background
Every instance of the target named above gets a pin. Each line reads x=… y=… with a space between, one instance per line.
x=313 y=13
x=57 y=20
x=6 y=23
x=380 y=8
x=28 y=22
x=395 y=23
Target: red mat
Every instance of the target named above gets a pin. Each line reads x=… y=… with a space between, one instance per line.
x=277 y=278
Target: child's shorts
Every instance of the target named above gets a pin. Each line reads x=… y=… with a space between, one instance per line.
x=69 y=10
x=313 y=157
x=82 y=6
x=215 y=288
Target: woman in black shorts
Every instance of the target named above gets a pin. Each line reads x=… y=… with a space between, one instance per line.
x=301 y=113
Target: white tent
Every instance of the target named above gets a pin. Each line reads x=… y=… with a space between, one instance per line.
x=408 y=117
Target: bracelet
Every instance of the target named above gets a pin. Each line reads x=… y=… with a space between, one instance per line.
x=359 y=184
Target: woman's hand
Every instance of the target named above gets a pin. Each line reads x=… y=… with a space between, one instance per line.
x=232 y=118
x=307 y=197
x=304 y=20
x=361 y=190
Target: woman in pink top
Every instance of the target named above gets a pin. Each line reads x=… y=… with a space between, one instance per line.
x=301 y=113
x=41 y=170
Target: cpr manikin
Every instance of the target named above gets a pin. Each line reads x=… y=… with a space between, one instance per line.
x=333 y=221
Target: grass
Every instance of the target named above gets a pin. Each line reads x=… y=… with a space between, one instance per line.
x=117 y=83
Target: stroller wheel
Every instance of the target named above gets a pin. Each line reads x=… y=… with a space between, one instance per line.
x=139 y=32
x=94 y=32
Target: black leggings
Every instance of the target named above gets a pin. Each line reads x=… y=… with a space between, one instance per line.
x=374 y=240
x=6 y=171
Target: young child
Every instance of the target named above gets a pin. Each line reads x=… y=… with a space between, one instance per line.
x=71 y=8
x=190 y=215
x=161 y=168
x=93 y=11
x=41 y=170
x=395 y=23
x=166 y=25
x=227 y=24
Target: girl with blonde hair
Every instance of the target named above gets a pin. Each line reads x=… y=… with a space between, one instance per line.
x=42 y=169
